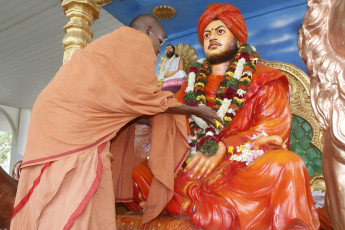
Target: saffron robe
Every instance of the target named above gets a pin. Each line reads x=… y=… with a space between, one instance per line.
x=88 y=105
x=273 y=192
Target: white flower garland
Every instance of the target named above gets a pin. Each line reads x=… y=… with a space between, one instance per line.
x=241 y=92
x=226 y=102
x=200 y=122
x=201 y=60
x=239 y=68
x=191 y=81
x=248 y=153
x=224 y=108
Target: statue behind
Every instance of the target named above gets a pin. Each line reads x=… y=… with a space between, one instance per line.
x=322 y=47
x=173 y=66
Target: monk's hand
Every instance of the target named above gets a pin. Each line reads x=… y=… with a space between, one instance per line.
x=200 y=165
x=275 y=142
x=204 y=112
x=208 y=115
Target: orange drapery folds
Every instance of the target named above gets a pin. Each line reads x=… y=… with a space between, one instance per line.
x=91 y=98
x=229 y=14
x=273 y=192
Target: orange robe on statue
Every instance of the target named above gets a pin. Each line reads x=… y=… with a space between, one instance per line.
x=273 y=192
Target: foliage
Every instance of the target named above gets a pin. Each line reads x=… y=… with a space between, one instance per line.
x=5 y=146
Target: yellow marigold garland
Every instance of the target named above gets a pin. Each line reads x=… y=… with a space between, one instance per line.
x=232 y=88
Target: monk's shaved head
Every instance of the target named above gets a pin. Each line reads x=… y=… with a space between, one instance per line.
x=144 y=20
x=149 y=25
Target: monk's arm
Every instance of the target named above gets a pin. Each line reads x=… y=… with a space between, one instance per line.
x=206 y=113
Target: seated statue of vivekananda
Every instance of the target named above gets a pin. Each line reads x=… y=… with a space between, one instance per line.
x=242 y=176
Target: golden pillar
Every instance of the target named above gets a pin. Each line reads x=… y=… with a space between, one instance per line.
x=81 y=14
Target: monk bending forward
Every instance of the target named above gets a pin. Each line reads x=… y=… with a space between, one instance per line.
x=241 y=177
x=79 y=155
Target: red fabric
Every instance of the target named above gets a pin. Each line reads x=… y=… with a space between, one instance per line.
x=229 y=14
x=26 y=198
x=271 y=193
x=266 y=108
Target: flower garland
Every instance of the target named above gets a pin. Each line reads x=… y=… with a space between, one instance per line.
x=229 y=97
x=247 y=152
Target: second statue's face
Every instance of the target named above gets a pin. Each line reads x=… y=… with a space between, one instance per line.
x=168 y=49
x=217 y=38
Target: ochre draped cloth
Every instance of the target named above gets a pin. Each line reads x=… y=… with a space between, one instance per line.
x=273 y=192
x=105 y=86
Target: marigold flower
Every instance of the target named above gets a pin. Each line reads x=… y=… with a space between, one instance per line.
x=241 y=86
x=226 y=118
x=244 y=79
x=230 y=73
x=202 y=74
x=220 y=101
x=231 y=149
x=200 y=84
x=233 y=106
x=200 y=78
x=216 y=106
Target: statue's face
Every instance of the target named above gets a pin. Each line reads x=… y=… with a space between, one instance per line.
x=217 y=39
x=168 y=49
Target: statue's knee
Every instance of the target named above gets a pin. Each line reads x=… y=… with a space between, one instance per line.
x=285 y=157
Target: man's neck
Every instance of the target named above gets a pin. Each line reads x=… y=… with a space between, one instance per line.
x=220 y=69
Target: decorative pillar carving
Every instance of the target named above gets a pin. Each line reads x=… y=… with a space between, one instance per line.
x=81 y=14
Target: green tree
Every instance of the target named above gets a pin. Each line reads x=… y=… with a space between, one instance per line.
x=5 y=146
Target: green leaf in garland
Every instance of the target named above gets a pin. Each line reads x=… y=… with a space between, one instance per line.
x=244 y=82
x=233 y=82
x=209 y=148
x=196 y=64
x=190 y=97
x=240 y=105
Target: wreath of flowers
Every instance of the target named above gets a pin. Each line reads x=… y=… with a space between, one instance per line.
x=229 y=97
x=247 y=152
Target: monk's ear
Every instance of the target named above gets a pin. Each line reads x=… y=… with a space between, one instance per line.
x=148 y=29
x=238 y=44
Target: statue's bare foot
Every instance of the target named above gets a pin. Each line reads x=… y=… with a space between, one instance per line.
x=143 y=202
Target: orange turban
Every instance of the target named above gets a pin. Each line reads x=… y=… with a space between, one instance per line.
x=230 y=16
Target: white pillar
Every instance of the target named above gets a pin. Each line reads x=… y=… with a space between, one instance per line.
x=18 y=148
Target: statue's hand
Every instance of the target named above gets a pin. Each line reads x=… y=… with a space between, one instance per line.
x=274 y=142
x=202 y=165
